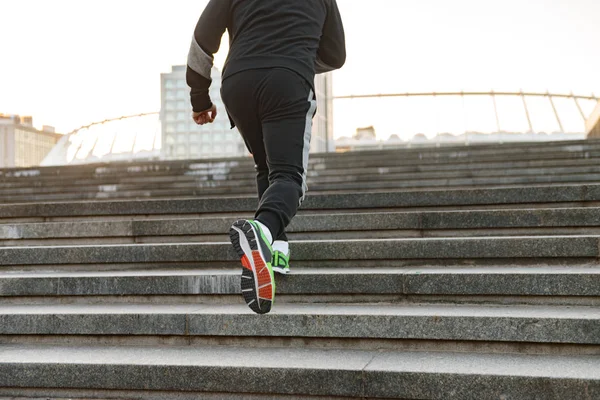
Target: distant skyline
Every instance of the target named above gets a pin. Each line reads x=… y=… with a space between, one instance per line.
x=71 y=62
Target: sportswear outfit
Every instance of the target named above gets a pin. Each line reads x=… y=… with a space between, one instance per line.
x=276 y=48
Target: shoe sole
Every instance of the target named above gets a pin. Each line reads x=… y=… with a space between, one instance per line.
x=281 y=271
x=258 y=287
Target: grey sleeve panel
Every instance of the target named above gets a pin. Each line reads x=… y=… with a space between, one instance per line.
x=207 y=36
x=206 y=42
x=199 y=61
x=321 y=67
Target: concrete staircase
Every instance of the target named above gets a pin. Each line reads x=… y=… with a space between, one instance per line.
x=453 y=273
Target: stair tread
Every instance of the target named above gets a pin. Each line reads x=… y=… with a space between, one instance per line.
x=158 y=273
x=375 y=310
x=488 y=239
x=553 y=366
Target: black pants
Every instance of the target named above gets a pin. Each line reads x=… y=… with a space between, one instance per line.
x=273 y=110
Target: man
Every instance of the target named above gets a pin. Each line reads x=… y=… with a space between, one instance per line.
x=276 y=47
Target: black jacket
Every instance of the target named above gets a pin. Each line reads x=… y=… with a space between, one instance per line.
x=306 y=36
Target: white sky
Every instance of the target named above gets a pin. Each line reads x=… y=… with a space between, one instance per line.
x=71 y=62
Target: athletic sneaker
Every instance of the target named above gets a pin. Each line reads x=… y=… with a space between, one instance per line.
x=281 y=262
x=256 y=253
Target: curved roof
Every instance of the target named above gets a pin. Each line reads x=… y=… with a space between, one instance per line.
x=124 y=139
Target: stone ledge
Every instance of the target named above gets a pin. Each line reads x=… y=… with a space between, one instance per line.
x=490 y=168
x=213 y=188
x=515 y=324
x=333 y=176
x=303 y=372
x=356 y=222
x=355 y=201
x=507 y=281
x=384 y=249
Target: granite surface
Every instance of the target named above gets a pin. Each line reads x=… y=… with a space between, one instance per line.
x=305 y=372
x=376 y=249
x=426 y=198
x=523 y=324
x=484 y=281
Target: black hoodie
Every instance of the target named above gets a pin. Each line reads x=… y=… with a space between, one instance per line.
x=305 y=36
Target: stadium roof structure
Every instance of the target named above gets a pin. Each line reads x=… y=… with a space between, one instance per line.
x=127 y=138
x=138 y=137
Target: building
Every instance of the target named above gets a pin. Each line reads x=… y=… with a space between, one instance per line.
x=21 y=145
x=593 y=124
x=183 y=139
x=322 y=134
x=367 y=133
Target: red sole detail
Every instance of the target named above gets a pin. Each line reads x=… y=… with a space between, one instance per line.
x=266 y=293
x=259 y=264
x=263 y=276
x=246 y=263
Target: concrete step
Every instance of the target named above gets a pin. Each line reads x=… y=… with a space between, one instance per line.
x=355 y=374
x=377 y=169
x=408 y=167
x=525 y=324
x=222 y=173
x=511 y=147
x=423 y=166
x=547 y=196
x=433 y=158
x=186 y=194
x=219 y=193
x=381 y=178
x=523 y=147
x=577 y=281
x=65 y=394
x=218 y=189
x=567 y=247
x=535 y=285
x=485 y=154
x=454 y=182
x=517 y=222
x=397 y=172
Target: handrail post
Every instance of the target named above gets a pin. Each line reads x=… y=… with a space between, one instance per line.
x=465 y=117
x=527 y=112
x=496 y=111
x=579 y=107
x=560 y=125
